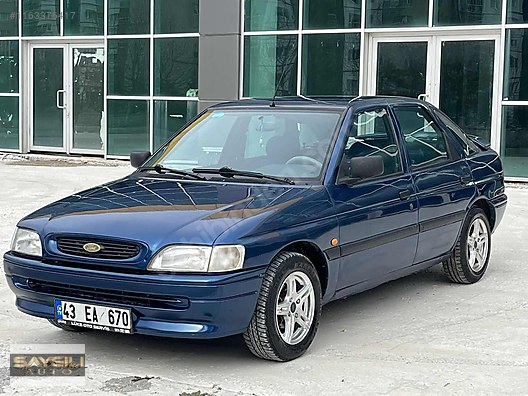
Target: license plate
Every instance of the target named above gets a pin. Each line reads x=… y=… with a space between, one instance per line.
x=93 y=316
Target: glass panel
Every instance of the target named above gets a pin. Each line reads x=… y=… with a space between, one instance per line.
x=9 y=19
x=467 y=12
x=401 y=69
x=372 y=134
x=176 y=16
x=271 y=15
x=176 y=66
x=83 y=17
x=466 y=84
x=47 y=80
x=9 y=122
x=270 y=61
x=382 y=13
x=128 y=126
x=332 y=14
x=129 y=67
x=514 y=147
x=41 y=18
x=517 y=11
x=425 y=142
x=331 y=64
x=9 y=66
x=170 y=116
x=516 y=65
x=129 y=16
x=88 y=99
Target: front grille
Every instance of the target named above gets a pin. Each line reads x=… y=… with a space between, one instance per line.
x=108 y=296
x=109 y=250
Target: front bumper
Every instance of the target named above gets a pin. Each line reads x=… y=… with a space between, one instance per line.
x=184 y=306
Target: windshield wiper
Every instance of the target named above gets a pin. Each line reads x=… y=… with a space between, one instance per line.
x=163 y=169
x=229 y=172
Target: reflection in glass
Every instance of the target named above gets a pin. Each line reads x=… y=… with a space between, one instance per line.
x=9 y=122
x=516 y=65
x=467 y=12
x=330 y=65
x=271 y=15
x=466 y=84
x=176 y=66
x=381 y=13
x=128 y=126
x=41 y=18
x=128 y=16
x=83 y=17
x=8 y=18
x=170 y=116
x=128 y=67
x=88 y=99
x=8 y=66
x=401 y=68
x=270 y=61
x=47 y=80
x=176 y=16
x=332 y=14
x=517 y=11
x=514 y=146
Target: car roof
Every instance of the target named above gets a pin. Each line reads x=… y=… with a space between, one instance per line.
x=334 y=103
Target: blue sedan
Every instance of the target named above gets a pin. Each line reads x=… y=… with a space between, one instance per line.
x=255 y=215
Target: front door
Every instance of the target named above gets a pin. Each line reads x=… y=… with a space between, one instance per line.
x=457 y=73
x=67 y=98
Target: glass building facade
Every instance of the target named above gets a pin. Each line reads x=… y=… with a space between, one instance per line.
x=105 y=77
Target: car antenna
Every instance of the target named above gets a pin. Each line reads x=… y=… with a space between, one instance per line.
x=272 y=104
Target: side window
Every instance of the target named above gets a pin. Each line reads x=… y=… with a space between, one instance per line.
x=372 y=134
x=425 y=142
x=468 y=146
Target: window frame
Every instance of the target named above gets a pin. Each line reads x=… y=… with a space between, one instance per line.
x=394 y=130
x=455 y=136
x=449 y=145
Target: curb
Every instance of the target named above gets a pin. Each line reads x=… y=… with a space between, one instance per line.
x=49 y=160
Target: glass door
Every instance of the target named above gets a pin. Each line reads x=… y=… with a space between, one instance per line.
x=467 y=82
x=401 y=67
x=67 y=98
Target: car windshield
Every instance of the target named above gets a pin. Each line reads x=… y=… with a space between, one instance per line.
x=284 y=143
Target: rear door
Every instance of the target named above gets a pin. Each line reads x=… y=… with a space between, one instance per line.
x=441 y=177
x=378 y=217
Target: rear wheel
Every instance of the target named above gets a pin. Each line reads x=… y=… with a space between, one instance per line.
x=288 y=309
x=65 y=327
x=471 y=255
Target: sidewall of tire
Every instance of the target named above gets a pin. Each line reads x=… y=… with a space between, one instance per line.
x=471 y=275
x=283 y=350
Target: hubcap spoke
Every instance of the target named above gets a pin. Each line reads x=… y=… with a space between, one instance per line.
x=283 y=308
x=289 y=328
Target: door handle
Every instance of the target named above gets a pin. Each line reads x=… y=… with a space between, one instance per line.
x=423 y=97
x=405 y=195
x=465 y=180
x=57 y=97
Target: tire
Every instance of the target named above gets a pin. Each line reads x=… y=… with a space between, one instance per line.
x=268 y=330
x=462 y=267
x=65 y=327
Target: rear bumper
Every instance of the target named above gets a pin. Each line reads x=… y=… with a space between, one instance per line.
x=499 y=204
x=184 y=306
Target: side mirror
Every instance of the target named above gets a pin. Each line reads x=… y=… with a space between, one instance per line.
x=480 y=141
x=138 y=158
x=359 y=168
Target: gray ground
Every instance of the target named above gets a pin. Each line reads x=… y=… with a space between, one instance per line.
x=418 y=335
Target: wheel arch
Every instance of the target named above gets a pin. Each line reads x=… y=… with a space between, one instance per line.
x=488 y=209
x=315 y=255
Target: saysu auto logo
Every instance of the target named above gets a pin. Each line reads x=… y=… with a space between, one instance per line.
x=92 y=247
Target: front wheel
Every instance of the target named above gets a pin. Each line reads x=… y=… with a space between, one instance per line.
x=471 y=255
x=288 y=309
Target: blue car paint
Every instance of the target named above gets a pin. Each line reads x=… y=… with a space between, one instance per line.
x=265 y=218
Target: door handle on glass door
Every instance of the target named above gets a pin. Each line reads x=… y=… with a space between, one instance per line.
x=423 y=97
x=59 y=92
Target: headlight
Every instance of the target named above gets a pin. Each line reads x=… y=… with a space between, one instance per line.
x=198 y=259
x=26 y=242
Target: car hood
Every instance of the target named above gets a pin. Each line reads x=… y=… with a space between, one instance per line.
x=161 y=211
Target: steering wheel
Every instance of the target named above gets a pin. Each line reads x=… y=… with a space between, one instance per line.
x=304 y=160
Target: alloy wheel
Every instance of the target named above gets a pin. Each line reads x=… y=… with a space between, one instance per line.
x=477 y=245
